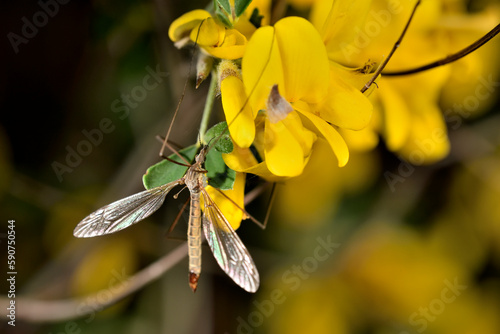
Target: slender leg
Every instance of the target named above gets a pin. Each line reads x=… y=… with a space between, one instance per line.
x=171 y=148
x=253 y=195
x=177 y=218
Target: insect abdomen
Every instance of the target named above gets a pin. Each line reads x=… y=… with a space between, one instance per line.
x=194 y=240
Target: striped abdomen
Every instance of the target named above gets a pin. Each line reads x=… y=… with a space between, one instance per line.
x=194 y=240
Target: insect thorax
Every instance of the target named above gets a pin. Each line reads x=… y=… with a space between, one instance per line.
x=195 y=178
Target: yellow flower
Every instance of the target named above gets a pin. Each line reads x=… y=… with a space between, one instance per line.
x=409 y=116
x=286 y=74
x=212 y=36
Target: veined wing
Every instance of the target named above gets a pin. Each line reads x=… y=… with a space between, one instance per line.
x=123 y=213
x=227 y=247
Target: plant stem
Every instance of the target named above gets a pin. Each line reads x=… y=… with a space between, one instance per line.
x=449 y=59
x=40 y=310
x=394 y=48
x=209 y=103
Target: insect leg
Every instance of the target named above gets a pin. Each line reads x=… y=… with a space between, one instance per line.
x=176 y=220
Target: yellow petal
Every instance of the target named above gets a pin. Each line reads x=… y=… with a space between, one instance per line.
x=245 y=160
x=234 y=37
x=362 y=140
x=283 y=153
x=242 y=160
x=346 y=106
x=264 y=8
x=244 y=26
x=230 y=210
x=182 y=26
x=356 y=77
x=261 y=67
x=208 y=33
x=408 y=100
x=232 y=47
x=229 y=52
x=239 y=115
x=304 y=60
x=396 y=126
x=428 y=140
x=338 y=23
x=335 y=140
x=302 y=135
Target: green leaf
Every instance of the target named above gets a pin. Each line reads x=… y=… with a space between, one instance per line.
x=220 y=133
x=240 y=6
x=224 y=4
x=223 y=12
x=218 y=174
x=224 y=19
x=166 y=171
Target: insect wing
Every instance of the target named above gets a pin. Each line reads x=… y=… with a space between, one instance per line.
x=227 y=247
x=123 y=213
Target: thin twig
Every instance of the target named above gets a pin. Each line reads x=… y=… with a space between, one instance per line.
x=386 y=60
x=449 y=59
x=35 y=310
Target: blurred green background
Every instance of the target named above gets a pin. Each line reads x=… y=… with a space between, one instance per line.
x=422 y=258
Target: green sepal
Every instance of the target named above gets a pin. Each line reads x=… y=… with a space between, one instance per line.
x=223 y=5
x=222 y=9
x=240 y=6
x=218 y=174
x=223 y=144
x=256 y=18
x=166 y=171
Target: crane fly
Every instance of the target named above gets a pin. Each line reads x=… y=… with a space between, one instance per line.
x=226 y=246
